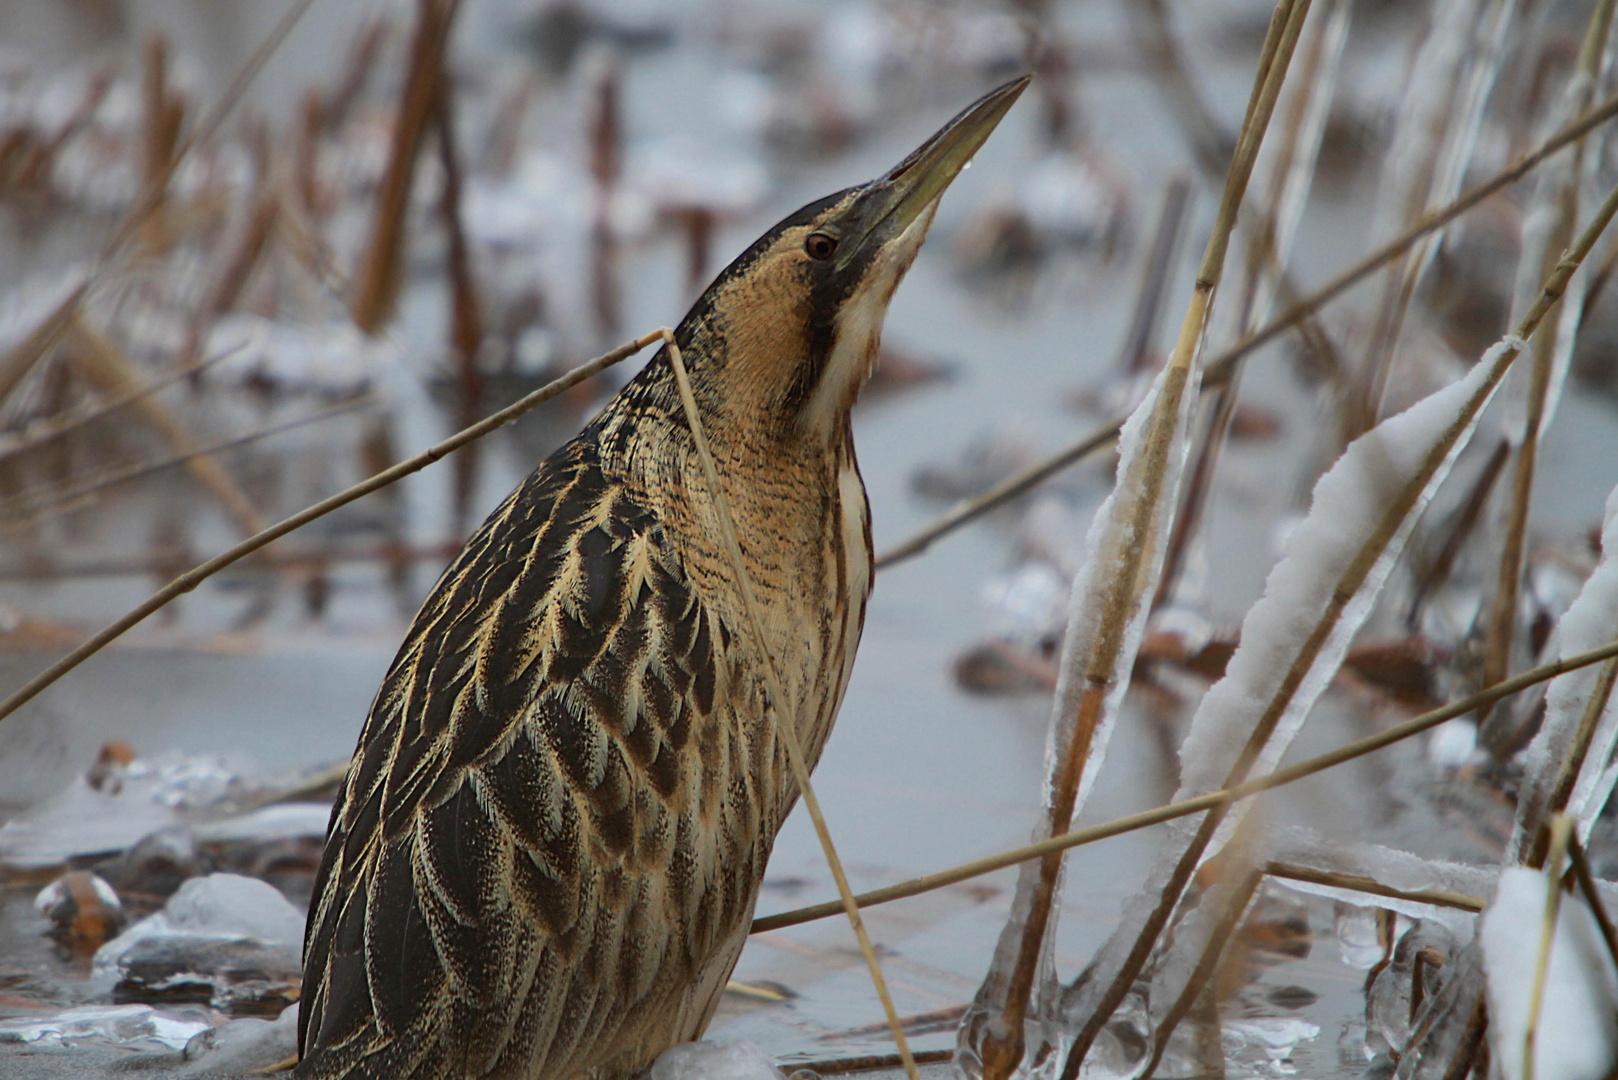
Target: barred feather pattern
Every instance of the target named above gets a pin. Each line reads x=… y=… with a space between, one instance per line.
x=544 y=858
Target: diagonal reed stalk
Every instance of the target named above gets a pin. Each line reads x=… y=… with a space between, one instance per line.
x=1354 y=576
x=1219 y=367
x=1560 y=189
x=21 y=510
x=109 y=368
x=1223 y=797
x=1290 y=175
x=202 y=572
x=1094 y=662
x=21 y=357
x=786 y=722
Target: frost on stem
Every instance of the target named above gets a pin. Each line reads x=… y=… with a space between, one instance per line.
x=1102 y=603
x=1292 y=644
x=1590 y=622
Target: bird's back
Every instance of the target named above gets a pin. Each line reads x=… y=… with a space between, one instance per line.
x=545 y=856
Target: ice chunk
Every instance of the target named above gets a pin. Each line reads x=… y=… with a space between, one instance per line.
x=134 y=1026
x=243 y=1046
x=714 y=1061
x=83 y=819
x=231 y=941
x=1578 y=1032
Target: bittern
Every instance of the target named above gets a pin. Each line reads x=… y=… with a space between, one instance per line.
x=545 y=855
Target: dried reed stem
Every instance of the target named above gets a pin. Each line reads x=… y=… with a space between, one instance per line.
x=26 y=353
x=42 y=432
x=1568 y=774
x=107 y=366
x=1223 y=797
x=1561 y=834
x=194 y=577
x=786 y=722
x=1286 y=25
x=1587 y=882
x=1372 y=887
x=466 y=313
x=1502 y=624
x=23 y=512
x=1235 y=908
x=1219 y=367
x=382 y=271
x=1353 y=578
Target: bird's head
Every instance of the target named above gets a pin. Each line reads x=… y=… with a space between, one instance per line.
x=785 y=337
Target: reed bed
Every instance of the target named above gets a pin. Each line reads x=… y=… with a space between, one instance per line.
x=1414 y=566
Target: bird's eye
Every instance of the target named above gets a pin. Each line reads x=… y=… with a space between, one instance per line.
x=820 y=246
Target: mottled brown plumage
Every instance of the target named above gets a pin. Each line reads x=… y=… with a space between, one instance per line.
x=544 y=859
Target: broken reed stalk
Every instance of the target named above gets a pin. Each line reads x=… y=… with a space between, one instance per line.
x=1147 y=818
x=19 y=511
x=1131 y=582
x=1502 y=623
x=194 y=577
x=381 y=273
x=1219 y=367
x=786 y=721
x=1561 y=833
x=1348 y=586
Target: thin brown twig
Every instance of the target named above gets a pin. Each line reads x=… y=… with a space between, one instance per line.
x=194 y=577
x=786 y=723
x=43 y=432
x=1222 y=797
x=1372 y=887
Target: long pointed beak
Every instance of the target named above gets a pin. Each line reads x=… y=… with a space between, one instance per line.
x=900 y=196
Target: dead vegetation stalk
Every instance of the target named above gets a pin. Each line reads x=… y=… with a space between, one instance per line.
x=1564 y=197
x=1353 y=578
x=382 y=272
x=1219 y=367
x=1225 y=796
x=197 y=575
x=24 y=511
x=1561 y=834
x=786 y=721
x=1095 y=663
